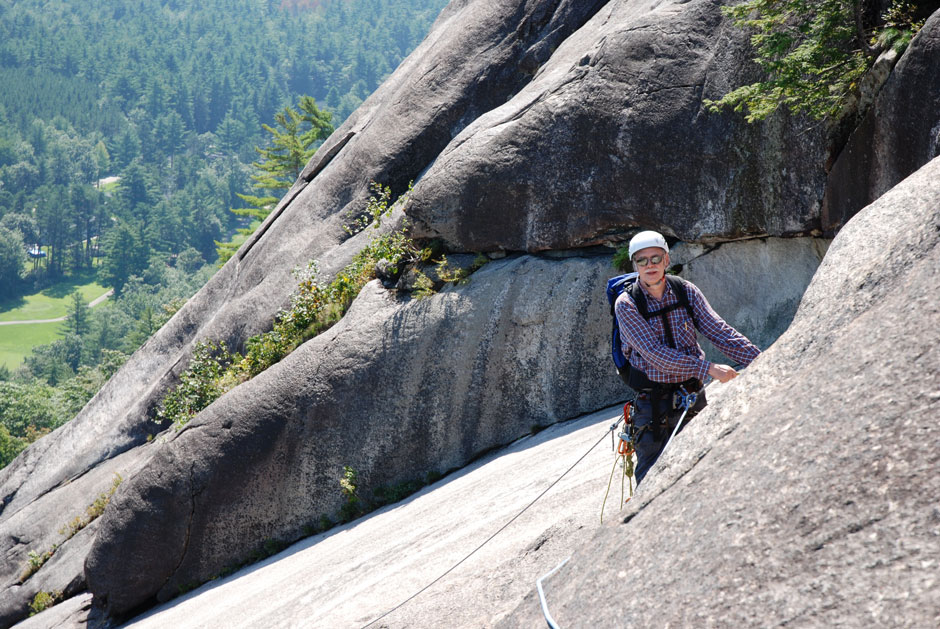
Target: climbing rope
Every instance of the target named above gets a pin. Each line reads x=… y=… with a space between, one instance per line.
x=612 y=428
x=538 y=585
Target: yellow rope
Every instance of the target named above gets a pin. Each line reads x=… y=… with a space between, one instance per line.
x=627 y=472
x=603 y=504
x=627 y=464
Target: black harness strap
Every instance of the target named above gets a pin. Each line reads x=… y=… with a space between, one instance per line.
x=636 y=379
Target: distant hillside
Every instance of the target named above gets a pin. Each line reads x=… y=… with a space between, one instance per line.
x=199 y=59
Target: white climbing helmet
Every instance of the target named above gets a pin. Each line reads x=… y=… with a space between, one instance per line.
x=647 y=239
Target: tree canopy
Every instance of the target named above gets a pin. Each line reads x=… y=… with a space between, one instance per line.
x=169 y=96
x=813 y=52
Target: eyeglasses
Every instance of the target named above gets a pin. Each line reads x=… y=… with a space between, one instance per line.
x=644 y=261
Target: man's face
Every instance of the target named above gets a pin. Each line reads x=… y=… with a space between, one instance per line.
x=644 y=261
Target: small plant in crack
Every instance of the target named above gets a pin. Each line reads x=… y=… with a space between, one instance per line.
x=349 y=485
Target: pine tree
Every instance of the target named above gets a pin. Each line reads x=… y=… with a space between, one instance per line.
x=125 y=254
x=77 y=322
x=293 y=143
x=12 y=261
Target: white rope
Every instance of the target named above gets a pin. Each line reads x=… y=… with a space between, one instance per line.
x=538 y=585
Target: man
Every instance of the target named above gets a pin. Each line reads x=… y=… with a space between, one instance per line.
x=662 y=349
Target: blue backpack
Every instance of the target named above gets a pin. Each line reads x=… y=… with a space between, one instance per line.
x=635 y=378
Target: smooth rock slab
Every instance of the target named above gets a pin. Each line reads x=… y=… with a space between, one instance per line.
x=353 y=574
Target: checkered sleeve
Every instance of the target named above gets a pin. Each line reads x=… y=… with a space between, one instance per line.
x=666 y=364
x=729 y=341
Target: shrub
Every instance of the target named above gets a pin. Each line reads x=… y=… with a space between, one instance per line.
x=96 y=508
x=199 y=384
x=622 y=260
x=313 y=308
x=459 y=275
x=377 y=208
x=352 y=508
x=92 y=512
x=43 y=601
x=424 y=286
x=36 y=561
x=10 y=446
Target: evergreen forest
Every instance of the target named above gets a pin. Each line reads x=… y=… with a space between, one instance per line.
x=130 y=130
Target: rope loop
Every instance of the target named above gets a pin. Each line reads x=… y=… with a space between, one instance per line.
x=624 y=455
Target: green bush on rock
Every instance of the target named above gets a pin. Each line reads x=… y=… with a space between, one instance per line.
x=43 y=601
x=314 y=307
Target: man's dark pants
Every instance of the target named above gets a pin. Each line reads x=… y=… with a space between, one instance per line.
x=654 y=426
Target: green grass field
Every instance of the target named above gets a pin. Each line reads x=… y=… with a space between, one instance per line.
x=51 y=302
x=17 y=341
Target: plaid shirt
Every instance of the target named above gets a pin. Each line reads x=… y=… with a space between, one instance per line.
x=644 y=342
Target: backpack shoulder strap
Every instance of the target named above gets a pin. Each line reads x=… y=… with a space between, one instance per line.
x=682 y=295
x=640 y=300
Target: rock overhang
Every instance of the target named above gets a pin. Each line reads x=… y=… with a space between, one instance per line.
x=601 y=143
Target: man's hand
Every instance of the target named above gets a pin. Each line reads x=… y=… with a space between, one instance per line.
x=722 y=373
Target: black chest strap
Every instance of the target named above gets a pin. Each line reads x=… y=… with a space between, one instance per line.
x=678 y=286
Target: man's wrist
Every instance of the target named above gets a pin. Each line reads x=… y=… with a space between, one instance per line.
x=707 y=367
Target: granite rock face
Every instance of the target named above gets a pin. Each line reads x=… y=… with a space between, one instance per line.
x=399 y=385
x=477 y=55
x=612 y=134
x=755 y=285
x=806 y=493
x=527 y=125
x=396 y=389
x=900 y=133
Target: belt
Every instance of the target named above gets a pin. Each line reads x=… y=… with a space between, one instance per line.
x=690 y=385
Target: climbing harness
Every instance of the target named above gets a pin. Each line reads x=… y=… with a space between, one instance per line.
x=626 y=447
x=684 y=400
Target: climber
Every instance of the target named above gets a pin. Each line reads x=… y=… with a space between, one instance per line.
x=657 y=317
